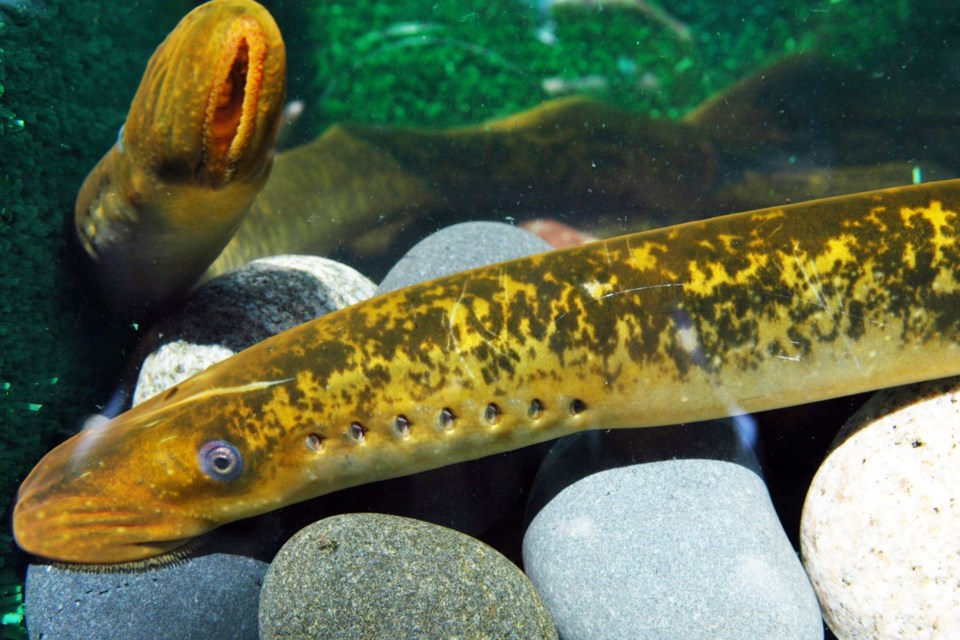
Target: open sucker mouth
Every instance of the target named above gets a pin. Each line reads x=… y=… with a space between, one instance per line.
x=230 y=116
x=142 y=553
x=112 y=537
x=180 y=551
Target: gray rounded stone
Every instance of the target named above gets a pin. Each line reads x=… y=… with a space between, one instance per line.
x=881 y=522
x=460 y=247
x=676 y=547
x=241 y=308
x=578 y=456
x=210 y=597
x=376 y=576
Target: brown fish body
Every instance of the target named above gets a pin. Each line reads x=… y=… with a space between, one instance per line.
x=734 y=314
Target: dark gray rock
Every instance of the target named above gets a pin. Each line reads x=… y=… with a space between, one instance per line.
x=664 y=534
x=376 y=576
x=268 y=296
x=210 y=597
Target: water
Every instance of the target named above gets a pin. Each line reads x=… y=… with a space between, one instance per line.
x=851 y=99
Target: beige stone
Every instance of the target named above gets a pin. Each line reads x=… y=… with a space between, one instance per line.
x=880 y=530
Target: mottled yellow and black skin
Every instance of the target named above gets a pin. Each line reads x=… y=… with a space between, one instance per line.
x=197 y=146
x=735 y=314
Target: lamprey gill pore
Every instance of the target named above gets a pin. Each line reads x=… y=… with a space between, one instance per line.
x=739 y=313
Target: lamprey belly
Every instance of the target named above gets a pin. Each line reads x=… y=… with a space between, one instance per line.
x=196 y=148
x=734 y=314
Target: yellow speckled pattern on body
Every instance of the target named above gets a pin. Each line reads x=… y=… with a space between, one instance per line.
x=734 y=314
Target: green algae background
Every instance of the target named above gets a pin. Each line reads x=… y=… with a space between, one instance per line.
x=488 y=59
x=64 y=82
x=68 y=69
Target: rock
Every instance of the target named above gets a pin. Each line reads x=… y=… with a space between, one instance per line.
x=461 y=496
x=174 y=362
x=881 y=523
x=377 y=576
x=244 y=307
x=460 y=247
x=663 y=533
x=211 y=597
x=558 y=234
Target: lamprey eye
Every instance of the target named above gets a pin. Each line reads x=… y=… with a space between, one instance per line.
x=220 y=460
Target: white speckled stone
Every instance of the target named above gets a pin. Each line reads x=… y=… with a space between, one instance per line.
x=244 y=307
x=880 y=531
x=175 y=362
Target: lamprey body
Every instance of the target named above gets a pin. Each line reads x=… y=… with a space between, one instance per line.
x=196 y=148
x=734 y=314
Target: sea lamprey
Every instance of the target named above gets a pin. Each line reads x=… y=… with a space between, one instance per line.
x=733 y=314
x=197 y=146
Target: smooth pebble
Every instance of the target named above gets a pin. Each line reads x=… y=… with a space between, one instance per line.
x=880 y=530
x=376 y=576
x=210 y=597
x=663 y=534
x=460 y=247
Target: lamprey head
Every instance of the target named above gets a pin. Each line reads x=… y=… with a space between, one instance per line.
x=196 y=148
x=150 y=480
x=305 y=413
x=249 y=435
x=210 y=100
